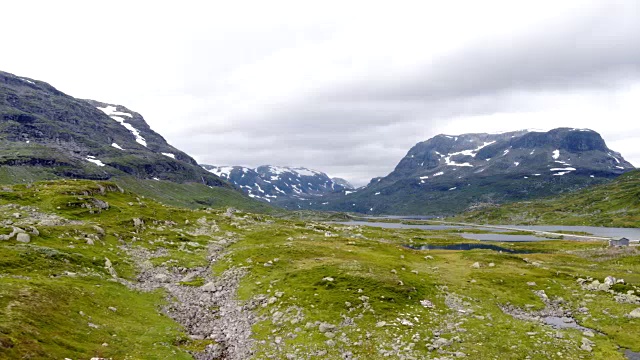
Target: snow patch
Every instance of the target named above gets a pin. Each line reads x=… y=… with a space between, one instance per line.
x=221 y=171
x=516 y=163
x=614 y=158
x=556 y=154
x=139 y=139
x=563 y=169
x=453 y=188
x=378 y=193
x=112 y=110
x=470 y=152
x=92 y=159
x=116 y=146
x=304 y=172
x=28 y=81
x=169 y=155
x=438 y=174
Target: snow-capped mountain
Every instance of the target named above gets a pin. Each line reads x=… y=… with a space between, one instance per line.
x=449 y=173
x=277 y=183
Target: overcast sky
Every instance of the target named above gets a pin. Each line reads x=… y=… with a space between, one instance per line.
x=345 y=87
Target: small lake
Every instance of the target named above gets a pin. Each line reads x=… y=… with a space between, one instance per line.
x=503 y=238
x=393 y=225
x=631 y=355
x=564 y=323
x=468 y=247
x=493 y=236
x=629 y=233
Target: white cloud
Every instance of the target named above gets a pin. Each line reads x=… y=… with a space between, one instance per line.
x=343 y=87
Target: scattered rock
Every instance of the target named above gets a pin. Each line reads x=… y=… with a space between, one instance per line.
x=476 y=265
x=426 y=303
x=635 y=314
x=23 y=237
x=609 y=281
x=324 y=327
x=138 y=223
x=532 y=283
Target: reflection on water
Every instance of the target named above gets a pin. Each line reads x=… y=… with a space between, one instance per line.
x=502 y=237
x=468 y=247
x=564 y=323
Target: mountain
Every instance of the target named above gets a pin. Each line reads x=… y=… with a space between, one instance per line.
x=449 y=173
x=281 y=185
x=46 y=134
x=614 y=204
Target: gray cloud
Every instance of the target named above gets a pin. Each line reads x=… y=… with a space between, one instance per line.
x=363 y=129
x=347 y=92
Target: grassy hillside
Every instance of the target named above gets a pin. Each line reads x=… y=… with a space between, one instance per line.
x=194 y=195
x=112 y=274
x=190 y=195
x=615 y=204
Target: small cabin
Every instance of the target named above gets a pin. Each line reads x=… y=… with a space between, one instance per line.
x=621 y=241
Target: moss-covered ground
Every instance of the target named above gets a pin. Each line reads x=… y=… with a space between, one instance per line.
x=361 y=286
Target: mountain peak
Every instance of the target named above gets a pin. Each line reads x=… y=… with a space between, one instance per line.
x=280 y=184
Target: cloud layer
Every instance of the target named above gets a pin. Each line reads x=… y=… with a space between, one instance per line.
x=342 y=88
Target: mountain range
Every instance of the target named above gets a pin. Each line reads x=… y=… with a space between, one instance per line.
x=450 y=173
x=46 y=134
x=280 y=184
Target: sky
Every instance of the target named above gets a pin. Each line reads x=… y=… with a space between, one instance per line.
x=344 y=87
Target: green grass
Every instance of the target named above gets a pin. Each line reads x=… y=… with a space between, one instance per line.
x=351 y=277
x=616 y=204
x=193 y=195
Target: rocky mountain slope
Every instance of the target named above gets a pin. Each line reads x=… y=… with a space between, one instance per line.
x=46 y=134
x=447 y=174
x=613 y=204
x=56 y=135
x=278 y=184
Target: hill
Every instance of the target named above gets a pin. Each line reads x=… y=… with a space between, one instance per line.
x=448 y=174
x=46 y=134
x=616 y=204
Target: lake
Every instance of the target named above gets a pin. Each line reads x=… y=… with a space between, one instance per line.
x=630 y=233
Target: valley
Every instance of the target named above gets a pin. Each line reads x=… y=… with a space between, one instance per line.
x=116 y=245
x=111 y=274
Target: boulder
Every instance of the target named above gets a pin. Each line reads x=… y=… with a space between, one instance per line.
x=609 y=281
x=23 y=237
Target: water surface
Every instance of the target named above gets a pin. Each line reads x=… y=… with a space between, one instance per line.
x=468 y=247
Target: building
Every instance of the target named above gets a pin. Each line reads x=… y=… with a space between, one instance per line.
x=621 y=241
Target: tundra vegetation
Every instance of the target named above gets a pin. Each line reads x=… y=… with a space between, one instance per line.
x=89 y=269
